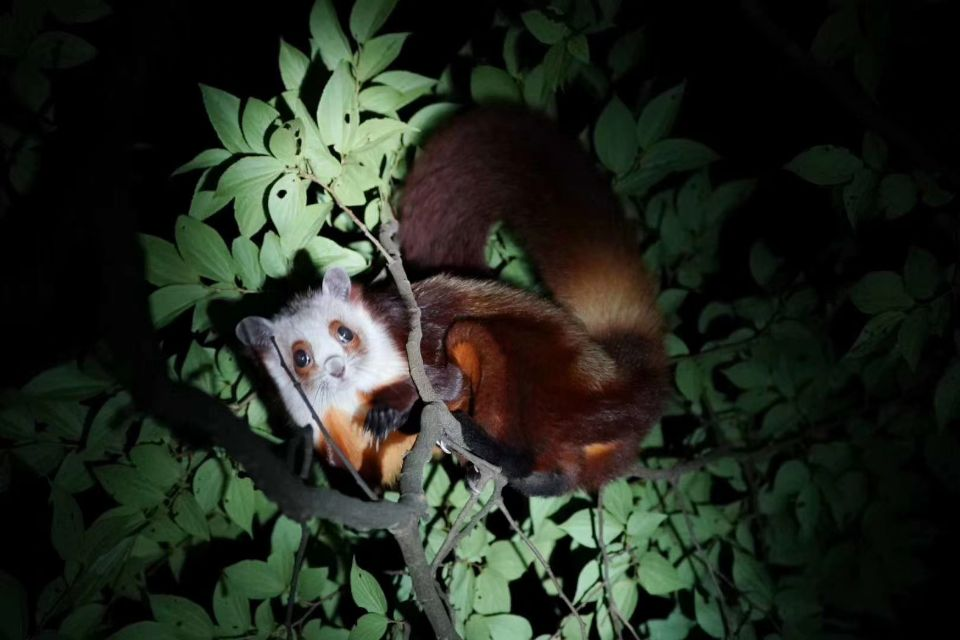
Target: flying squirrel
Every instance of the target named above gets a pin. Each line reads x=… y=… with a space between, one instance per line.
x=556 y=392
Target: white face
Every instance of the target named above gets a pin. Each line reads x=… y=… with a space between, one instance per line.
x=331 y=345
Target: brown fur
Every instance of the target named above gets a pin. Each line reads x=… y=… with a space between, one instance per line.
x=576 y=392
x=561 y=392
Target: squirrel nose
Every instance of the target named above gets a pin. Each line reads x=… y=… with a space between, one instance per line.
x=334 y=365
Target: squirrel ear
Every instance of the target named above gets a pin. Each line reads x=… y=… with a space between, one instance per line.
x=255 y=332
x=336 y=283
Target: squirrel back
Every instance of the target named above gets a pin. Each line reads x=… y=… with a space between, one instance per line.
x=509 y=165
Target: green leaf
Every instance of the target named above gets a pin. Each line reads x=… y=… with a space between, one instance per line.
x=378 y=54
x=708 y=615
x=204 y=250
x=504 y=558
x=657 y=118
x=163 y=265
x=283 y=142
x=73 y=476
x=186 y=616
x=79 y=11
x=690 y=379
x=205 y=202
x=66 y=382
x=674 y=627
x=825 y=165
x=643 y=524
x=368 y=16
x=748 y=375
x=897 y=195
x=859 y=195
x=293 y=66
x=249 y=212
x=208 y=483
x=326 y=254
x=506 y=626
x=618 y=500
x=128 y=487
x=625 y=53
x=231 y=609
x=60 y=50
x=381 y=99
x=492 y=593
x=246 y=255
x=254 y=579
x=337 y=104
x=752 y=579
x=203 y=160
x=579 y=48
x=763 y=264
x=248 y=175
x=913 y=335
x=285 y=202
x=327 y=36
x=141 y=630
x=677 y=154
x=874 y=151
x=580 y=527
x=426 y=120
x=921 y=273
x=626 y=595
x=156 y=464
x=314 y=583
x=405 y=81
x=657 y=576
x=272 y=258
x=874 y=333
x=365 y=591
x=223 y=109
x=880 y=291
x=264 y=619
x=82 y=622
x=285 y=538
x=544 y=28
x=946 y=399
x=66 y=528
x=238 y=502
x=492 y=85
x=370 y=626
x=614 y=137
x=190 y=517
x=589 y=576
x=258 y=116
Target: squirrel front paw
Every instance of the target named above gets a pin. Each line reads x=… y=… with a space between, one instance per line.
x=382 y=420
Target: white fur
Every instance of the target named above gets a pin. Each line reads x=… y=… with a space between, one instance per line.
x=378 y=362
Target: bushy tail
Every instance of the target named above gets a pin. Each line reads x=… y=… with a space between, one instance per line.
x=507 y=164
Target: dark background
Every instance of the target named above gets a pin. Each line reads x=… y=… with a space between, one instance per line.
x=134 y=114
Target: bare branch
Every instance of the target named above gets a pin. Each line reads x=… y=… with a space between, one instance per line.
x=619 y=620
x=546 y=566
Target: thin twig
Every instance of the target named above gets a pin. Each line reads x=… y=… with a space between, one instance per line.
x=619 y=620
x=457 y=532
x=295 y=578
x=724 y=614
x=353 y=216
x=545 y=565
x=323 y=430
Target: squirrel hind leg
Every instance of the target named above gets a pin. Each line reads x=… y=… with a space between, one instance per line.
x=516 y=466
x=512 y=463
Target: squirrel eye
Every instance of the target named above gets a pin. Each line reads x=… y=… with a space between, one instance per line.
x=345 y=335
x=301 y=358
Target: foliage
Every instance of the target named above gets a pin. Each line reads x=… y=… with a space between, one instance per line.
x=811 y=525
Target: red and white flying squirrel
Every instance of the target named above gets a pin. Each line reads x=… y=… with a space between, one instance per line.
x=558 y=393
